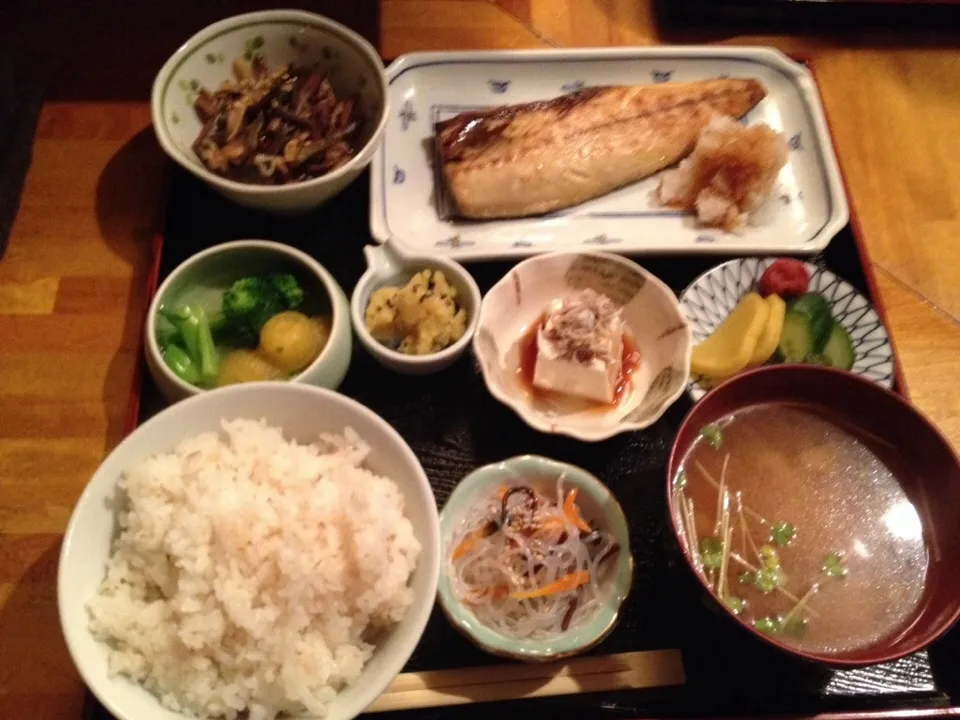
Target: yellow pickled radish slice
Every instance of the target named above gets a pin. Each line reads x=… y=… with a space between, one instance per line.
x=730 y=347
x=770 y=337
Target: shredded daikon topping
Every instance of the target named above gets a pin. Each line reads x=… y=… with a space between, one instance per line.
x=584 y=326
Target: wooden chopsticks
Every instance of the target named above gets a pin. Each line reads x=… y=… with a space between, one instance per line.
x=625 y=671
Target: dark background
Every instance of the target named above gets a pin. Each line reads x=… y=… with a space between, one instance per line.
x=111 y=49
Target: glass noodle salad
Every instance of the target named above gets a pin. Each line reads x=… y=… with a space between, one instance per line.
x=528 y=564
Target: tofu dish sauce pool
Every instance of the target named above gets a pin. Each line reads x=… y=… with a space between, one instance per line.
x=579 y=348
x=801 y=529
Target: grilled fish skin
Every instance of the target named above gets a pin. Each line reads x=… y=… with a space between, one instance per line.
x=534 y=158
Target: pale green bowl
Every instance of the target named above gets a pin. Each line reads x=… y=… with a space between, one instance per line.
x=597 y=504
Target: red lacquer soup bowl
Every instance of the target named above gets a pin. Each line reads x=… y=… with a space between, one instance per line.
x=919 y=456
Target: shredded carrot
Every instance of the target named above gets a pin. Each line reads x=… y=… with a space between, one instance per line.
x=551 y=523
x=567 y=582
x=572 y=512
x=471 y=541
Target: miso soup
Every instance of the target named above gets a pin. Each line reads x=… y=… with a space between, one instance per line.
x=801 y=529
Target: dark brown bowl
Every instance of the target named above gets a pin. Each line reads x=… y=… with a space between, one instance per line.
x=920 y=456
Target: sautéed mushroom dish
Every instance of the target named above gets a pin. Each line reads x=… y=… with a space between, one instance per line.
x=799 y=528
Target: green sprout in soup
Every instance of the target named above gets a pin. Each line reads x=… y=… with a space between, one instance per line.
x=713 y=435
x=711 y=553
x=782 y=533
x=833 y=565
x=827 y=586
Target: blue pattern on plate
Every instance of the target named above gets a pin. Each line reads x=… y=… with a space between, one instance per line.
x=661 y=76
x=498 y=86
x=572 y=86
x=795 y=143
x=705 y=239
x=454 y=242
x=522 y=244
x=398 y=175
x=407 y=115
x=603 y=239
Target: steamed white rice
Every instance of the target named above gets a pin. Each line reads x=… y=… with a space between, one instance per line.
x=252 y=573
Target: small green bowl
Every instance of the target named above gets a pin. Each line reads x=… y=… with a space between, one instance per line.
x=597 y=504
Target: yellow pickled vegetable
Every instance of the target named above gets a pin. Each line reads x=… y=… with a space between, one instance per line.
x=770 y=338
x=239 y=366
x=730 y=347
x=290 y=341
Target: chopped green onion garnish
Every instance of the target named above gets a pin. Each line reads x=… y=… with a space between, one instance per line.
x=767 y=580
x=771 y=558
x=795 y=626
x=782 y=533
x=833 y=565
x=748 y=578
x=712 y=434
x=735 y=604
x=711 y=553
x=768 y=625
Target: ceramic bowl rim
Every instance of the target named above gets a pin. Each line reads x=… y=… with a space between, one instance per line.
x=585 y=434
x=199 y=39
x=532 y=650
x=429 y=535
x=308 y=263
x=880 y=655
x=393 y=357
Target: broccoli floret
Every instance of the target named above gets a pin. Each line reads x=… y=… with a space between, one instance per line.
x=251 y=301
x=286 y=285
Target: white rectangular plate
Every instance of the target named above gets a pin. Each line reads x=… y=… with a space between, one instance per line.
x=409 y=204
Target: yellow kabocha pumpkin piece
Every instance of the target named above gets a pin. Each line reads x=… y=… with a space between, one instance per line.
x=730 y=347
x=770 y=337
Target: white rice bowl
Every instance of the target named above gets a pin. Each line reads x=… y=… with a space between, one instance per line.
x=249 y=572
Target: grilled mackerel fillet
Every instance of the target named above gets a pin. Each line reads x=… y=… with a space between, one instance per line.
x=534 y=158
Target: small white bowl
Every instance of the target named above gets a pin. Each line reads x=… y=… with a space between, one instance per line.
x=650 y=312
x=303 y=413
x=282 y=36
x=388 y=265
x=219 y=266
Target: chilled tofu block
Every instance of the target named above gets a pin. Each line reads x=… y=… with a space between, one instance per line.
x=580 y=348
x=595 y=379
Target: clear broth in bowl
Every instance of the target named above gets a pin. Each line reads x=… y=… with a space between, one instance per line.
x=824 y=550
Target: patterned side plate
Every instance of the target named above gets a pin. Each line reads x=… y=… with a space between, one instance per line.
x=713 y=295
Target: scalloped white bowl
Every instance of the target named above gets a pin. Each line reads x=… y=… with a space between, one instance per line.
x=650 y=311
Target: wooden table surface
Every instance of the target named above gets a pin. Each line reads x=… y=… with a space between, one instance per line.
x=71 y=284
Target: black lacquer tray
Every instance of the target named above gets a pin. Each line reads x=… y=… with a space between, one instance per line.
x=454 y=426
